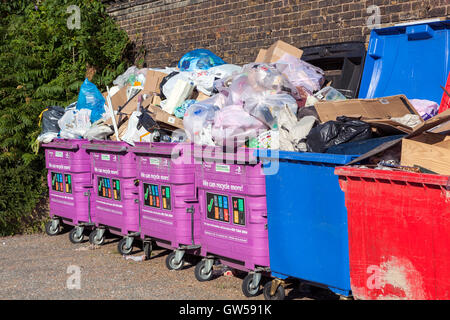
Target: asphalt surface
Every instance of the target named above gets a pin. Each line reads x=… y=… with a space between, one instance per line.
x=43 y=267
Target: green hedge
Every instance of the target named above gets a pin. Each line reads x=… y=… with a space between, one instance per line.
x=43 y=63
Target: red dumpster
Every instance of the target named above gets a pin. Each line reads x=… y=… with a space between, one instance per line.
x=399 y=233
x=445 y=103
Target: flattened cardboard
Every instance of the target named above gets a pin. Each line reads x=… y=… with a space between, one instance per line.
x=378 y=110
x=428 y=150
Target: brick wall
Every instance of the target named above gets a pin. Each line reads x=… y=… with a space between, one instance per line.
x=236 y=29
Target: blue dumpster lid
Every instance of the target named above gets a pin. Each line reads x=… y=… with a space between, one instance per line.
x=413 y=60
x=337 y=159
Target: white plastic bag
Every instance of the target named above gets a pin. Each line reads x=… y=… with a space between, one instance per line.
x=98 y=131
x=75 y=123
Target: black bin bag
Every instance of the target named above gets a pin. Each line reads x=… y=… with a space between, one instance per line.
x=333 y=133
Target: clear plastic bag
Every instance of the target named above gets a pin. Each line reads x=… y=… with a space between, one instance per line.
x=301 y=73
x=266 y=107
x=198 y=117
x=233 y=126
x=266 y=77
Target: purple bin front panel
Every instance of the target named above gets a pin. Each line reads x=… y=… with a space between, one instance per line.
x=166 y=173
x=69 y=177
x=233 y=210
x=115 y=192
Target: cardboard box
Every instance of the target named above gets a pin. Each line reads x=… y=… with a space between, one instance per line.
x=261 y=56
x=370 y=110
x=165 y=119
x=428 y=150
x=153 y=81
x=276 y=52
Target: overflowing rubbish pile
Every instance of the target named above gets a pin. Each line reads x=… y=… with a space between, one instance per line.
x=279 y=102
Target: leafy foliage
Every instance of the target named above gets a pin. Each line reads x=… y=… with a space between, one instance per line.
x=43 y=63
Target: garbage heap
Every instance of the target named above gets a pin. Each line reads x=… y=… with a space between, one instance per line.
x=279 y=102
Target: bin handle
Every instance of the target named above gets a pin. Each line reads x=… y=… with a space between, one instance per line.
x=109 y=148
x=61 y=145
x=151 y=150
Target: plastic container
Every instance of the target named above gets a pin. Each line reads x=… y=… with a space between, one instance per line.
x=233 y=214
x=167 y=179
x=413 y=60
x=115 y=197
x=307 y=221
x=398 y=231
x=342 y=62
x=69 y=183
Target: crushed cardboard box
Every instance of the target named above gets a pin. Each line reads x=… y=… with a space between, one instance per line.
x=164 y=119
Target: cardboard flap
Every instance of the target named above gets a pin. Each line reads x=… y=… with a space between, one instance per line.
x=375 y=109
x=429 y=124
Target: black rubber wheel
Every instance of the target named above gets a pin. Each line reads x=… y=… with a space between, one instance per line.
x=279 y=294
x=122 y=247
x=200 y=273
x=93 y=240
x=50 y=231
x=73 y=236
x=148 y=250
x=246 y=287
x=170 y=262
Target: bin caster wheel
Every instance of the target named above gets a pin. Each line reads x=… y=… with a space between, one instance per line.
x=147 y=250
x=50 y=230
x=170 y=262
x=122 y=247
x=200 y=272
x=93 y=239
x=279 y=294
x=74 y=238
x=247 y=286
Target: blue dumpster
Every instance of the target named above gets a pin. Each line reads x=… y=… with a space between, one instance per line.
x=307 y=219
x=399 y=56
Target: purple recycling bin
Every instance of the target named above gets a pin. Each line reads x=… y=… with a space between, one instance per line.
x=167 y=183
x=233 y=214
x=115 y=191
x=69 y=183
